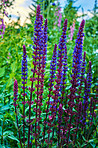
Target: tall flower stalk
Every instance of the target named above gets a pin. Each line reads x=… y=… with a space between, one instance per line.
x=60 y=112
x=24 y=81
x=77 y=54
x=58 y=80
x=37 y=33
x=41 y=70
x=51 y=80
x=39 y=61
x=62 y=60
x=77 y=60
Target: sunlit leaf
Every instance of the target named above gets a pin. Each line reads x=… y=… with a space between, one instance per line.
x=2 y=71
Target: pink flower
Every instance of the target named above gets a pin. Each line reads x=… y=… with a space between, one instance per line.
x=50 y=117
x=72 y=30
x=58 y=18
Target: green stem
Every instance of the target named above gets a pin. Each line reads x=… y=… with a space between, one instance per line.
x=30 y=110
x=18 y=126
x=24 y=119
x=48 y=10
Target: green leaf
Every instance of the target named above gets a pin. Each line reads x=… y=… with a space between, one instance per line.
x=2 y=71
x=13 y=67
x=9 y=83
x=84 y=138
x=12 y=75
x=26 y=109
x=11 y=117
x=93 y=145
x=29 y=41
x=13 y=138
x=7 y=133
x=92 y=140
x=6 y=107
x=67 y=88
x=1 y=117
x=33 y=121
x=83 y=145
x=96 y=140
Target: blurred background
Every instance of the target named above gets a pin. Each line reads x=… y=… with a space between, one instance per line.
x=22 y=9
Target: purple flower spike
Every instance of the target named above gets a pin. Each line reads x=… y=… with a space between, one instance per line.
x=53 y=65
x=77 y=60
x=24 y=67
x=45 y=33
x=84 y=54
x=61 y=52
x=77 y=54
x=44 y=39
x=38 y=10
x=62 y=40
x=15 y=90
x=39 y=61
x=83 y=65
x=24 y=78
x=38 y=37
x=89 y=78
x=83 y=68
x=64 y=70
